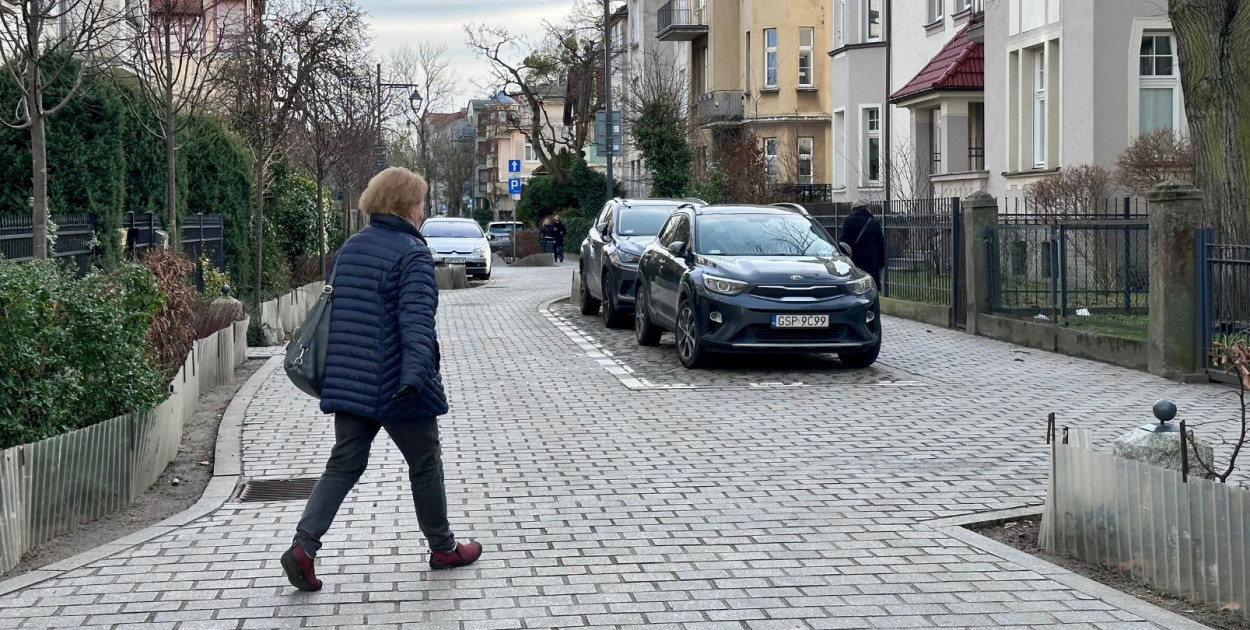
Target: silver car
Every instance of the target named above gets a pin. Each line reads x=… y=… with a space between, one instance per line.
x=459 y=242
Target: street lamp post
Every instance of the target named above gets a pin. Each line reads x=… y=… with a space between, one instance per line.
x=414 y=102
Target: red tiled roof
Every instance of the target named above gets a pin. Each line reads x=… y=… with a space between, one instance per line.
x=960 y=65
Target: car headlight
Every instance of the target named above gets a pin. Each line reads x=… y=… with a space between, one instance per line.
x=481 y=251
x=723 y=285
x=625 y=258
x=861 y=286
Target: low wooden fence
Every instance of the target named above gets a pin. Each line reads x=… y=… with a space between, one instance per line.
x=1186 y=536
x=50 y=487
x=282 y=316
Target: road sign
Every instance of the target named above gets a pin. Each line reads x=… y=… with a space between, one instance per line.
x=514 y=166
x=601 y=134
x=514 y=186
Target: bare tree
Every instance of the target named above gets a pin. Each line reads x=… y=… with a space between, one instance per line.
x=452 y=162
x=51 y=45
x=355 y=141
x=1154 y=158
x=281 y=53
x=173 y=57
x=428 y=67
x=659 y=121
x=1213 y=43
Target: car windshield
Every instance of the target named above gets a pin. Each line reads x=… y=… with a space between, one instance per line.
x=642 y=220
x=451 y=229
x=761 y=235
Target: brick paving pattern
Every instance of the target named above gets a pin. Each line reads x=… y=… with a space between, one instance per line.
x=719 y=506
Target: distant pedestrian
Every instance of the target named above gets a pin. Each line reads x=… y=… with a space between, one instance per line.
x=557 y=233
x=382 y=372
x=546 y=237
x=863 y=232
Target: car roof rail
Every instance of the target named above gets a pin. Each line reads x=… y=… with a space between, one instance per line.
x=792 y=206
x=695 y=200
x=688 y=205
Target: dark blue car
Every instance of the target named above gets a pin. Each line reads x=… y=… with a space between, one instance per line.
x=754 y=279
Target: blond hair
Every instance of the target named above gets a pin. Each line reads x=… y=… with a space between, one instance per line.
x=396 y=191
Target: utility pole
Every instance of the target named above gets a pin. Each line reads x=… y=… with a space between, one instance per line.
x=607 y=83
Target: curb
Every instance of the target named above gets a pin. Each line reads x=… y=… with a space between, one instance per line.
x=955 y=527
x=227 y=468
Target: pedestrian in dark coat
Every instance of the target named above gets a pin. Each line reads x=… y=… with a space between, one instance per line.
x=863 y=232
x=382 y=372
x=557 y=233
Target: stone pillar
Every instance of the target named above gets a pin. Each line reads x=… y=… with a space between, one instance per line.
x=980 y=210
x=1172 y=346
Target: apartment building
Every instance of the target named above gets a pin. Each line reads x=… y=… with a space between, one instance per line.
x=758 y=66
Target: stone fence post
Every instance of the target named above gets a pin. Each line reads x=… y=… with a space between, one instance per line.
x=1175 y=214
x=980 y=211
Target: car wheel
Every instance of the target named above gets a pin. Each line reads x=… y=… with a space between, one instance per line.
x=587 y=302
x=484 y=277
x=645 y=331
x=612 y=316
x=689 y=351
x=861 y=359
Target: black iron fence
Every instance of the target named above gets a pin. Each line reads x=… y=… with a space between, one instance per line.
x=1088 y=274
x=203 y=242
x=73 y=239
x=1223 y=294
x=1030 y=211
x=923 y=250
x=802 y=193
x=141 y=230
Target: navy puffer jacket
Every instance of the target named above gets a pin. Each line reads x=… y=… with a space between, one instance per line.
x=382 y=359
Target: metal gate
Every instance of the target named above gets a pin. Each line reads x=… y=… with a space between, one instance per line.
x=1223 y=295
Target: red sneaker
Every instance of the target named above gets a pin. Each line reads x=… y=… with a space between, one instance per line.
x=462 y=556
x=299 y=569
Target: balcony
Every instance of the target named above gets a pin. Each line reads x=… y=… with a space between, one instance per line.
x=726 y=106
x=679 y=23
x=976 y=21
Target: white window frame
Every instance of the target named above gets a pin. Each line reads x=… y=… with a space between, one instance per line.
x=867 y=135
x=1153 y=81
x=806 y=154
x=528 y=153
x=934 y=11
x=635 y=18
x=807 y=55
x=839 y=149
x=770 y=59
x=962 y=5
x=839 y=28
x=770 y=158
x=867 y=21
x=1039 y=126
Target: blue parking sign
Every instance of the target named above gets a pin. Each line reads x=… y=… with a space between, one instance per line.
x=514 y=166
x=514 y=186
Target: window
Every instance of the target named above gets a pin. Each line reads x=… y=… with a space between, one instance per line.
x=935 y=141
x=1039 y=108
x=807 y=42
x=530 y=154
x=872 y=20
x=962 y=5
x=935 y=11
x=635 y=19
x=770 y=57
x=1158 y=106
x=872 y=146
x=770 y=158
x=839 y=149
x=806 y=148
x=748 y=59
x=681 y=230
x=839 y=26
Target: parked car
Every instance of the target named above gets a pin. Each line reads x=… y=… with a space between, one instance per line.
x=500 y=235
x=755 y=279
x=610 y=253
x=459 y=242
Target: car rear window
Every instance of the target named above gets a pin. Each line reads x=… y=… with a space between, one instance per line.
x=451 y=229
x=642 y=220
x=761 y=235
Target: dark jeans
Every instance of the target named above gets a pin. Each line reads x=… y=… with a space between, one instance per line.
x=417 y=440
x=559 y=252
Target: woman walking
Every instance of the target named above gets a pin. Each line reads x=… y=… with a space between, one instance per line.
x=382 y=372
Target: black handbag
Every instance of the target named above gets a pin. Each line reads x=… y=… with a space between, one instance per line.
x=305 y=361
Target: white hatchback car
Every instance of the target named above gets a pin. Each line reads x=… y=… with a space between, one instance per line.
x=459 y=242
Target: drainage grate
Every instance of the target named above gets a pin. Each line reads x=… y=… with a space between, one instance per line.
x=261 y=490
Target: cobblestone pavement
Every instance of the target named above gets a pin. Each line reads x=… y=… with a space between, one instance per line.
x=718 y=506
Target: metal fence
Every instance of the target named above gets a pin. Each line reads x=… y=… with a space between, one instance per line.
x=803 y=193
x=203 y=242
x=1223 y=293
x=141 y=230
x=74 y=239
x=1091 y=274
x=923 y=248
x=1029 y=211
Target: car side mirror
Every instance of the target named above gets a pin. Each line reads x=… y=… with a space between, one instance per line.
x=677 y=248
x=490 y=237
x=602 y=228
x=846 y=249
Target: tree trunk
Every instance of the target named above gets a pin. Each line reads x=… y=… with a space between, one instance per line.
x=39 y=184
x=171 y=187
x=321 y=222
x=258 y=207
x=1213 y=42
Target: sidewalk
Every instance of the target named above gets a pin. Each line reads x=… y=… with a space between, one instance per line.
x=600 y=506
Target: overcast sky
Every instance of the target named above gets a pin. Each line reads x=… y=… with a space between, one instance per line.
x=398 y=22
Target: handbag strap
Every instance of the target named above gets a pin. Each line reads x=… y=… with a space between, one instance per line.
x=862 y=230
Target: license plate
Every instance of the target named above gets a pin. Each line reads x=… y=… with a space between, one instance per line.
x=453 y=261
x=800 y=321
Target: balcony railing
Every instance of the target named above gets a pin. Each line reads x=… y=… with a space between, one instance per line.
x=678 y=22
x=976 y=158
x=723 y=106
x=976 y=21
